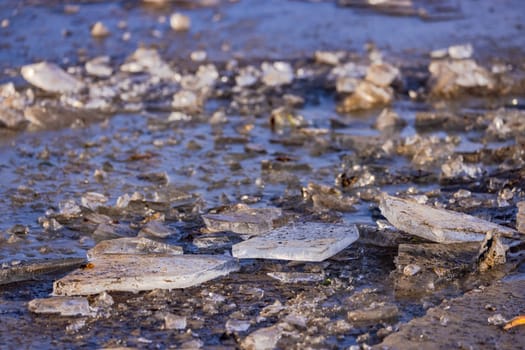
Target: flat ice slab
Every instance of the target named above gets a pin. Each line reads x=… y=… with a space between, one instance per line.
x=310 y=241
x=134 y=273
x=437 y=225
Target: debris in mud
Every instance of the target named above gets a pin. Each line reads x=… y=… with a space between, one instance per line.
x=50 y=77
x=134 y=273
x=65 y=306
x=492 y=252
x=243 y=220
x=438 y=225
x=430 y=331
x=516 y=321
x=299 y=241
x=132 y=246
x=424 y=268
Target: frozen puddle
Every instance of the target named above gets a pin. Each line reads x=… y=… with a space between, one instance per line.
x=134 y=273
x=301 y=242
x=437 y=225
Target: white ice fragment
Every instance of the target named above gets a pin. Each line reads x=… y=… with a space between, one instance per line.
x=297 y=277
x=99 y=30
x=329 y=57
x=134 y=273
x=186 y=100
x=156 y=229
x=99 y=67
x=132 y=246
x=277 y=73
x=437 y=225
x=382 y=74
x=50 y=77
x=69 y=207
x=300 y=242
x=149 y=60
x=247 y=76
x=235 y=326
x=65 y=306
x=180 y=22
x=460 y=52
x=93 y=200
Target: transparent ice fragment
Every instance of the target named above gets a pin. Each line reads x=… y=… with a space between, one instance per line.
x=301 y=242
x=65 y=306
x=50 y=77
x=244 y=221
x=132 y=246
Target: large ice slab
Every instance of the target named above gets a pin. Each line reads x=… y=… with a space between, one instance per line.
x=302 y=242
x=134 y=273
x=438 y=225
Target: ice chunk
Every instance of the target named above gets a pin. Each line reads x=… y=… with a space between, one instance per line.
x=388 y=120
x=520 y=217
x=450 y=76
x=186 y=100
x=456 y=168
x=297 y=277
x=99 y=67
x=367 y=95
x=157 y=229
x=247 y=76
x=180 y=22
x=302 y=242
x=146 y=59
x=233 y=326
x=99 y=30
x=460 y=52
x=277 y=73
x=134 y=273
x=93 y=200
x=382 y=74
x=244 y=221
x=172 y=321
x=438 y=225
x=263 y=338
x=133 y=246
x=329 y=57
x=376 y=312
x=65 y=306
x=50 y=77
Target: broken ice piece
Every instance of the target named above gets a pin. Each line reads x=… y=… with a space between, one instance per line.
x=31 y=269
x=492 y=252
x=132 y=245
x=374 y=313
x=263 y=338
x=437 y=225
x=134 y=273
x=277 y=73
x=297 y=277
x=65 y=306
x=50 y=77
x=520 y=217
x=93 y=200
x=301 y=242
x=99 y=67
x=156 y=229
x=382 y=74
x=244 y=221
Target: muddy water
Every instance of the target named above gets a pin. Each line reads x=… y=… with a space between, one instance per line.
x=211 y=165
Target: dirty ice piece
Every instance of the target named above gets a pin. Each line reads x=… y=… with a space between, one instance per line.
x=297 y=277
x=301 y=242
x=438 y=225
x=134 y=273
x=132 y=245
x=50 y=77
x=244 y=221
x=492 y=252
x=65 y=306
x=30 y=269
x=374 y=313
x=520 y=217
